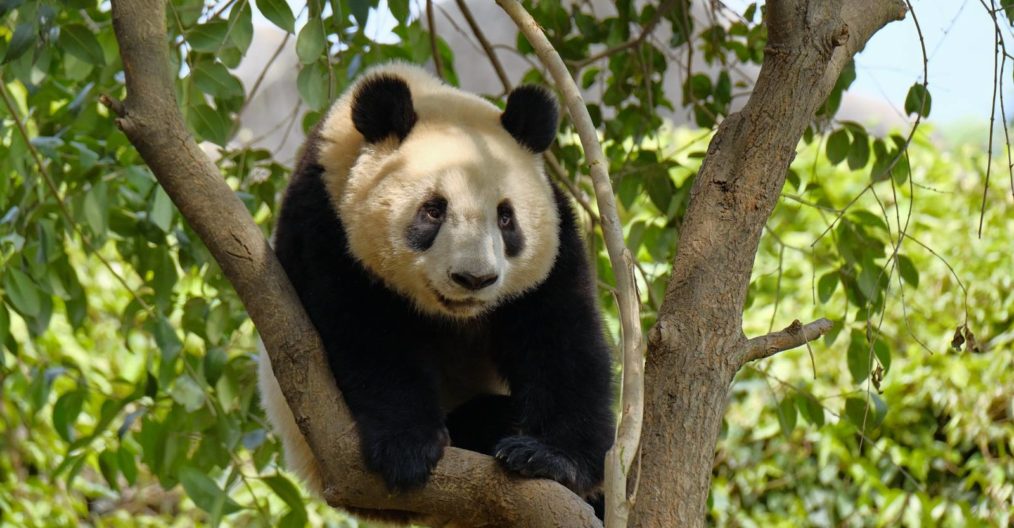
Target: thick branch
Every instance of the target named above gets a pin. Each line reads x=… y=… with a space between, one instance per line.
x=464 y=486
x=697 y=344
x=795 y=335
x=621 y=457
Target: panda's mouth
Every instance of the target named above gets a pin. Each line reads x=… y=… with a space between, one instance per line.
x=457 y=304
x=467 y=304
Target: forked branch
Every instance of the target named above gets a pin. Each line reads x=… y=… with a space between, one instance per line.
x=465 y=487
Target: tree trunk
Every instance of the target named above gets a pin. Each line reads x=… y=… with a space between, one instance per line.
x=697 y=345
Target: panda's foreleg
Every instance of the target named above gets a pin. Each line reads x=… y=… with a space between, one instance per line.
x=558 y=366
x=393 y=399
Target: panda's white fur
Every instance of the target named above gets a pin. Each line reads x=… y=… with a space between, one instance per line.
x=458 y=148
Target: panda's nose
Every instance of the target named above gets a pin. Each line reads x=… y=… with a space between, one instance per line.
x=473 y=282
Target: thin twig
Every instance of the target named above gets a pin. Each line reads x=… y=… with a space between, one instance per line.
x=433 y=40
x=481 y=37
x=621 y=456
x=264 y=71
x=992 y=118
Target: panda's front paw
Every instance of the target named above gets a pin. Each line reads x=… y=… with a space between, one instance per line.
x=405 y=458
x=530 y=457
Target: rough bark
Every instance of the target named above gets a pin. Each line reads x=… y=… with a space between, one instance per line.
x=465 y=486
x=697 y=346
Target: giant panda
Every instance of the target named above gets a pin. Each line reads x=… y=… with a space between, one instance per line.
x=449 y=283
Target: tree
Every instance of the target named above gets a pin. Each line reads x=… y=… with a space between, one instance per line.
x=696 y=343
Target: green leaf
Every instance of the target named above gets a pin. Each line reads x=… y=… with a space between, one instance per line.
x=5 y=329
x=400 y=10
x=868 y=282
x=908 y=271
x=23 y=38
x=128 y=464
x=810 y=408
x=209 y=124
x=241 y=31
x=278 y=12
x=859 y=153
x=361 y=10
x=161 y=210
x=65 y=413
x=858 y=357
x=208 y=37
x=838 y=146
x=96 y=209
x=169 y=344
x=187 y=393
x=205 y=493
x=289 y=493
x=110 y=467
x=860 y=413
x=312 y=83
x=883 y=353
x=22 y=293
x=787 y=415
x=214 y=79
x=80 y=42
x=826 y=286
x=918 y=100
x=311 y=42
x=214 y=363
x=856 y=411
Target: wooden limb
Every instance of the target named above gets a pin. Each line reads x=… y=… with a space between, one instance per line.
x=621 y=457
x=697 y=345
x=437 y=66
x=795 y=335
x=464 y=485
x=486 y=47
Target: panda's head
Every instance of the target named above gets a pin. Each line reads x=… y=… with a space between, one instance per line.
x=447 y=201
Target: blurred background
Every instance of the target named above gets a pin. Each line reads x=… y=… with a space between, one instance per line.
x=127 y=363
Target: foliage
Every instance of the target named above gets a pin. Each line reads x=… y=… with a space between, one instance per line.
x=126 y=360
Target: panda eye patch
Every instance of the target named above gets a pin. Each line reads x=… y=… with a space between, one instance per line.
x=423 y=229
x=505 y=215
x=513 y=238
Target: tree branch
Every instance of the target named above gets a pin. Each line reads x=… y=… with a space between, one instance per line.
x=486 y=47
x=437 y=66
x=464 y=486
x=795 y=335
x=621 y=457
x=697 y=345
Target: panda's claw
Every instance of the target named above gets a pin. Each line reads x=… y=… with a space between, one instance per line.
x=405 y=459
x=529 y=457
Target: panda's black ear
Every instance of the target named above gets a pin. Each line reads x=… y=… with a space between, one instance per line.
x=531 y=117
x=382 y=107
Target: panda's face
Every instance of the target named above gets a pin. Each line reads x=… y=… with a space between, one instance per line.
x=457 y=215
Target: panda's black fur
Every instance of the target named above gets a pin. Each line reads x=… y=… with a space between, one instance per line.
x=548 y=344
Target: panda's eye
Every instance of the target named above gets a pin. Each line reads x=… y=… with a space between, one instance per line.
x=505 y=214
x=435 y=209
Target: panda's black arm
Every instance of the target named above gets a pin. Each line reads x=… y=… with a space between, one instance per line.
x=369 y=341
x=553 y=351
